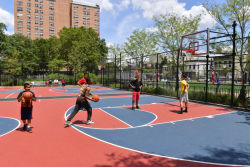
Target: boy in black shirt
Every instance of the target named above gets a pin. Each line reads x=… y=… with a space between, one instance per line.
x=26 y=107
x=136 y=85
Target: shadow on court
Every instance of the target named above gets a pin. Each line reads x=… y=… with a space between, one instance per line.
x=142 y=160
x=228 y=156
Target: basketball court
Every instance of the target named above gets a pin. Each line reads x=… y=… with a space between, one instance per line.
x=154 y=135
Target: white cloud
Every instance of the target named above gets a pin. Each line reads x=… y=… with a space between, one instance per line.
x=125 y=27
x=7 y=18
x=106 y=5
x=151 y=29
x=123 y=5
x=152 y=8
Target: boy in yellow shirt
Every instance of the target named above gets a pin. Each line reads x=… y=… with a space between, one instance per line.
x=184 y=93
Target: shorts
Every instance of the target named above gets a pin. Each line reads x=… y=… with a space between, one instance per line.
x=63 y=84
x=184 y=97
x=136 y=96
x=26 y=113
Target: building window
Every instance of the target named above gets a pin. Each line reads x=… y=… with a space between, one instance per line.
x=19 y=14
x=19 y=31
x=88 y=23
x=75 y=16
x=84 y=23
x=19 y=20
x=36 y=27
x=19 y=9
x=41 y=6
x=51 y=13
x=28 y=32
x=51 y=18
x=96 y=24
x=41 y=33
x=76 y=21
x=194 y=67
x=41 y=1
x=19 y=26
x=28 y=10
x=36 y=16
x=28 y=21
x=84 y=12
x=96 y=14
x=41 y=11
x=36 y=0
x=88 y=18
x=36 y=10
x=51 y=2
x=190 y=67
x=29 y=4
x=52 y=29
x=88 y=8
x=76 y=26
x=41 y=22
x=19 y=2
x=28 y=15
x=36 y=5
x=51 y=34
x=51 y=23
x=75 y=6
x=36 y=33
x=41 y=28
x=36 y=22
x=96 y=19
x=28 y=27
x=88 y=13
x=41 y=17
x=75 y=11
x=51 y=7
x=84 y=17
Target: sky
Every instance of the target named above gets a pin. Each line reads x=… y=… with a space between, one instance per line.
x=120 y=17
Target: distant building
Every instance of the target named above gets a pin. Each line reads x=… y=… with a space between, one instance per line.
x=45 y=18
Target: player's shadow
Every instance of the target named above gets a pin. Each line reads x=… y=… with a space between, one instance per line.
x=175 y=111
x=247 y=117
x=79 y=122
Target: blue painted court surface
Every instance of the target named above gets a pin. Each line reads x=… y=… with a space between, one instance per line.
x=221 y=139
x=77 y=90
x=7 y=125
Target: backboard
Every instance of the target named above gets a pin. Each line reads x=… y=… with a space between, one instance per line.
x=195 y=44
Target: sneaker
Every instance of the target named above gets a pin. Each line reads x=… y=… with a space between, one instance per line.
x=89 y=122
x=137 y=107
x=133 y=108
x=24 y=127
x=67 y=123
x=185 y=110
x=29 y=129
x=181 y=111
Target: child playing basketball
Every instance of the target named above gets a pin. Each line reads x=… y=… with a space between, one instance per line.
x=82 y=102
x=184 y=93
x=136 y=85
x=26 y=97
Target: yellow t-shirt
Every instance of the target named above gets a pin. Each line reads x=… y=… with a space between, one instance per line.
x=183 y=83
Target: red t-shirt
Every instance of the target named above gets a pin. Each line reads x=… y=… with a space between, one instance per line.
x=82 y=81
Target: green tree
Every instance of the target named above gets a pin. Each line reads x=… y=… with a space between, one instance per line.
x=225 y=14
x=140 y=44
x=81 y=48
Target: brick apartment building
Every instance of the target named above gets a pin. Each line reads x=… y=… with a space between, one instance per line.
x=45 y=18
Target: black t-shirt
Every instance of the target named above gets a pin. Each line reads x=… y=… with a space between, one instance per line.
x=136 y=84
x=25 y=103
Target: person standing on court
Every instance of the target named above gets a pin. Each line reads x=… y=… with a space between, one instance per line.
x=184 y=93
x=136 y=85
x=26 y=106
x=63 y=83
x=82 y=101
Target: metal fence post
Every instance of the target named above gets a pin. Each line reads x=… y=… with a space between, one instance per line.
x=233 y=55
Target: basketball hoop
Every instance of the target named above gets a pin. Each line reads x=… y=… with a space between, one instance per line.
x=100 y=67
x=188 y=52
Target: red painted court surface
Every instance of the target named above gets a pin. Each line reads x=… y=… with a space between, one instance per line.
x=53 y=145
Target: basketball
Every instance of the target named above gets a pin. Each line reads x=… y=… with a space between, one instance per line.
x=27 y=95
x=96 y=98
